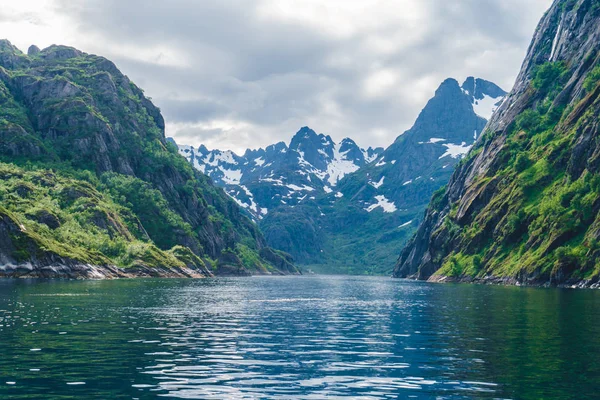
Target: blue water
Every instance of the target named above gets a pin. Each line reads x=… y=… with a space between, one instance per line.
x=295 y=338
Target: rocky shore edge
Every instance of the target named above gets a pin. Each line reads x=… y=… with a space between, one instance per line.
x=86 y=271
x=512 y=281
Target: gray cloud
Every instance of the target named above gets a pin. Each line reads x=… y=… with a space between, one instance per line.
x=247 y=73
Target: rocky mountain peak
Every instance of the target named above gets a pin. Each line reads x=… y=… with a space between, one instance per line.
x=451 y=115
x=485 y=96
x=10 y=56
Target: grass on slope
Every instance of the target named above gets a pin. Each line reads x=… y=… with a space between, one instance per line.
x=71 y=218
x=542 y=220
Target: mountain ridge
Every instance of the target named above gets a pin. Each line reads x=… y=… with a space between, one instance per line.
x=281 y=174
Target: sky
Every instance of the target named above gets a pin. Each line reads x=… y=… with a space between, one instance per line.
x=237 y=74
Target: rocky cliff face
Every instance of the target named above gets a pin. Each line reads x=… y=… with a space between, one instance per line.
x=523 y=206
x=77 y=113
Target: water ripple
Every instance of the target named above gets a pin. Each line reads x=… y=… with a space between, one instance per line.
x=293 y=338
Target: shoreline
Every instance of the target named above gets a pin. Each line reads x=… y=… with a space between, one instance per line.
x=593 y=284
x=93 y=272
x=78 y=271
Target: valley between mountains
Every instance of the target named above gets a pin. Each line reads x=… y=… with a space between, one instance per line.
x=486 y=186
x=339 y=208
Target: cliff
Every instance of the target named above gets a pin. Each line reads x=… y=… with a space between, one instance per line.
x=522 y=207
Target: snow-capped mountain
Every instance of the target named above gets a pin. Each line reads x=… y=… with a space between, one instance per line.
x=335 y=203
x=374 y=210
x=279 y=175
x=423 y=158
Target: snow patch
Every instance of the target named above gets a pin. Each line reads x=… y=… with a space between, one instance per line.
x=486 y=106
x=378 y=184
x=339 y=195
x=231 y=176
x=198 y=166
x=277 y=182
x=385 y=204
x=407 y=183
x=406 y=224
x=259 y=161
x=339 y=166
x=217 y=157
x=434 y=140
x=456 y=150
x=251 y=205
x=327 y=189
x=297 y=188
x=368 y=159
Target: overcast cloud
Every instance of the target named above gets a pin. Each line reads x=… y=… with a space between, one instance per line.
x=233 y=74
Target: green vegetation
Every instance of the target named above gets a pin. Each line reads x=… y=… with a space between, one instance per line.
x=592 y=79
x=542 y=220
x=86 y=171
x=71 y=218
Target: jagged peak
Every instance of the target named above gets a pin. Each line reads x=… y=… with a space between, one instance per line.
x=449 y=83
x=10 y=56
x=306 y=131
x=478 y=88
x=306 y=135
x=277 y=147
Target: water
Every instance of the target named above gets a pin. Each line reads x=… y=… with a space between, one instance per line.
x=295 y=337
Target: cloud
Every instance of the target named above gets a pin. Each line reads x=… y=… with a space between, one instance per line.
x=234 y=74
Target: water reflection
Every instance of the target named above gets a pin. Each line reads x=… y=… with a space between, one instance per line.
x=305 y=338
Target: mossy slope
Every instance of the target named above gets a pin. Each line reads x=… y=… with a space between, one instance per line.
x=120 y=194
x=524 y=206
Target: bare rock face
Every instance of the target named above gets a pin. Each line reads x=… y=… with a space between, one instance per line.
x=491 y=222
x=33 y=50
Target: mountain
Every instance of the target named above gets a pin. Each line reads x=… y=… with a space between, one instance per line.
x=89 y=185
x=264 y=179
x=523 y=206
x=347 y=209
x=382 y=203
x=423 y=158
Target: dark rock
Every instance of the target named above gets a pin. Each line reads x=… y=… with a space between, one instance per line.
x=229 y=264
x=47 y=218
x=280 y=260
x=33 y=50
